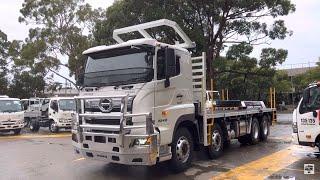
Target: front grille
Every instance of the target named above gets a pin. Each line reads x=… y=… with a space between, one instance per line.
x=104 y=121
x=104 y=131
x=96 y=109
x=12 y=123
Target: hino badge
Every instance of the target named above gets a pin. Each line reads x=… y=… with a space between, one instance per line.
x=306 y=117
x=11 y=115
x=143 y=102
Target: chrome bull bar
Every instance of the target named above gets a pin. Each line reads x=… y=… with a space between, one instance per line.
x=122 y=115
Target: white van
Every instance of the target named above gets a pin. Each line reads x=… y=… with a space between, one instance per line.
x=306 y=117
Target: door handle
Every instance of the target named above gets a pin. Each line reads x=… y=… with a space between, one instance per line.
x=179 y=96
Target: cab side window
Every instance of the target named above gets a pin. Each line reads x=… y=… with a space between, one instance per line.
x=161 y=65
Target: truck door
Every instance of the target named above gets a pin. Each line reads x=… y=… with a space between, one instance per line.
x=308 y=115
x=165 y=96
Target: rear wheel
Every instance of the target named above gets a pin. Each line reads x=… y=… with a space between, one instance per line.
x=244 y=139
x=17 y=131
x=264 y=128
x=53 y=127
x=181 y=148
x=216 y=148
x=255 y=132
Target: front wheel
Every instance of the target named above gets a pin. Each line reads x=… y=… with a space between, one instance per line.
x=53 y=127
x=181 y=148
x=34 y=125
x=217 y=144
x=17 y=131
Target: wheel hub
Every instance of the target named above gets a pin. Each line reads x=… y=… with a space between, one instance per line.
x=183 y=149
x=216 y=140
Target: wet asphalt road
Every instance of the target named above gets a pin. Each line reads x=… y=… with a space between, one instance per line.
x=46 y=156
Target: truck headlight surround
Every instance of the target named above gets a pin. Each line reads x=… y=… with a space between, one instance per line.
x=294 y=127
x=142 y=141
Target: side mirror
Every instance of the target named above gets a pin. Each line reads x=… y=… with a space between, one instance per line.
x=80 y=80
x=170 y=66
x=56 y=108
x=315 y=114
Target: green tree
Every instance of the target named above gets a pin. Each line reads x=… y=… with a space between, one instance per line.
x=62 y=28
x=26 y=85
x=246 y=77
x=4 y=57
x=213 y=25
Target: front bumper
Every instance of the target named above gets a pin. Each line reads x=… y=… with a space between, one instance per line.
x=7 y=127
x=65 y=124
x=108 y=148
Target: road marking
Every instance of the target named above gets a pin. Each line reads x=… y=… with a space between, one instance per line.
x=80 y=159
x=35 y=136
x=263 y=167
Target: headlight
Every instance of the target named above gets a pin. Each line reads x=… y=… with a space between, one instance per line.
x=142 y=141
x=295 y=127
x=63 y=120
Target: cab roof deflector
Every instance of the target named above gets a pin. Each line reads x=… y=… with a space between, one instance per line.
x=141 y=28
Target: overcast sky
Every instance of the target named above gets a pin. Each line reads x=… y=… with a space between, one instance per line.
x=303 y=45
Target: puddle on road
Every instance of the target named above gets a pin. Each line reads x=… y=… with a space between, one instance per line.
x=314 y=155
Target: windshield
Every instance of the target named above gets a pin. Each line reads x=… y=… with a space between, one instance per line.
x=10 y=106
x=67 y=104
x=119 y=68
x=313 y=101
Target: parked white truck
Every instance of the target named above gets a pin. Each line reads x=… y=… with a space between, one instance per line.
x=144 y=102
x=11 y=115
x=306 y=117
x=55 y=113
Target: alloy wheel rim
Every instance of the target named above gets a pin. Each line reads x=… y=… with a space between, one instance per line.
x=183 y=149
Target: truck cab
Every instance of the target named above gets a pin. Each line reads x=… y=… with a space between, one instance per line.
x=61 y=110
x=306 y=117
x=55 y=113
x=11 y=115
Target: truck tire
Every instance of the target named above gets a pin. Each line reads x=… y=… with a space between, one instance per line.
x=264 y=128
x=254 y=136
x=182 y=150
x=216 y=148
x=26 y=122
x=17 y=131
x=34 y=125
x=53 y=127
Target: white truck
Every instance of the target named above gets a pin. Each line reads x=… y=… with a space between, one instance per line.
x=144 y=102
x=306 y=117
x=11 y=115
x=55 y=113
